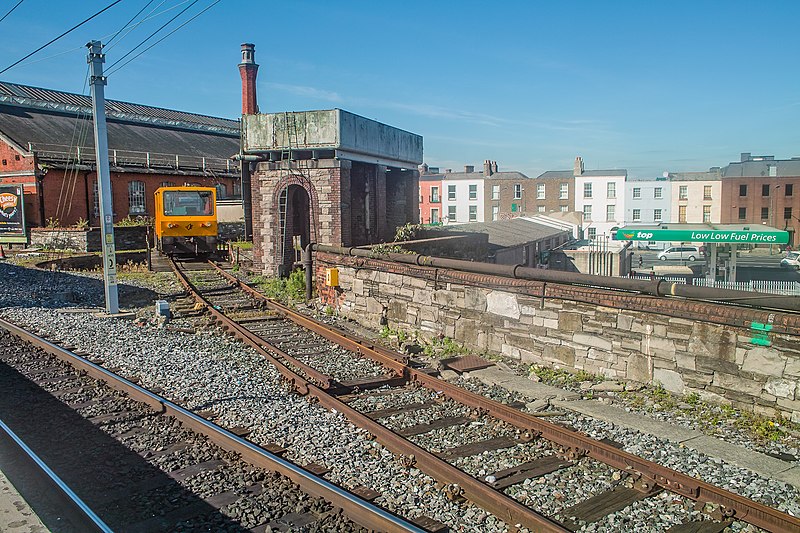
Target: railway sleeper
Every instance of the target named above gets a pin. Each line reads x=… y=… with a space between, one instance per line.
x=603 y=504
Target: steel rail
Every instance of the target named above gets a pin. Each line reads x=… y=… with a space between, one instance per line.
x=653 y=473
x=658 y=288
x=357 y=509
x=78 y=514
x=504 y=507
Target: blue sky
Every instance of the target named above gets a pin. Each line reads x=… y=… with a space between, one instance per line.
x=646 y=86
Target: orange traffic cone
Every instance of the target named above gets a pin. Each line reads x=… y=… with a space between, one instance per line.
x=2 y=252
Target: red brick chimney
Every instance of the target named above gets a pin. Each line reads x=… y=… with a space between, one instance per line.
x=248 y=70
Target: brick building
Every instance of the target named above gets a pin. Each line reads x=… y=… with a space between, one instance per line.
x=554 y=191
x=430 y=195
x=326 y=176
x=507 y=194
x=761 y=190
x=47 y=144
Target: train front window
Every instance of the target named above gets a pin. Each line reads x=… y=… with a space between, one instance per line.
x=188 y=203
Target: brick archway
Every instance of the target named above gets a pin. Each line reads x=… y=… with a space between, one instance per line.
x=300 y=203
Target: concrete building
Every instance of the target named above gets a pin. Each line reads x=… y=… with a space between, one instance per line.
x=46 y=144
x=696 y=196
x=463 y=198
x=326 y=176
x=600 y=196
x=760 y=190
x=648 y=202
x=554 y=191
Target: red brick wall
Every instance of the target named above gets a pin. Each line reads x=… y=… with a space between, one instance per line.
x=425 y=204
x=754 y=202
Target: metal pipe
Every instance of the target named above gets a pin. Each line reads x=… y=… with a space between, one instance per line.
x=308 y=265
x=659 y=288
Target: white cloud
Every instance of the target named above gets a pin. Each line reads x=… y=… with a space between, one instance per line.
x=309 y=92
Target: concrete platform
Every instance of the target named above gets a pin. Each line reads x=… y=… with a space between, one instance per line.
x=16 y=516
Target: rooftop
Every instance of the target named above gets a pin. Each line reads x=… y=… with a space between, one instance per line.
x=507 y=233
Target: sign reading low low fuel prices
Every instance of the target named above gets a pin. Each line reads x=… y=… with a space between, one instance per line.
x=12 y=214
x=704 y=235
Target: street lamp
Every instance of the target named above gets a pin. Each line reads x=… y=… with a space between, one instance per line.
x=772 y=211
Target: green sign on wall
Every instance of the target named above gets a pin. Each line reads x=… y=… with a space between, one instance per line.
x=703 y=235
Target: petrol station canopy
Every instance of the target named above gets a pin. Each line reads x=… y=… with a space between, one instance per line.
x=705 y=233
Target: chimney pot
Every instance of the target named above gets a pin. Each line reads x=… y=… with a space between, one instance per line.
x=487 y=168
x=578 y=169
x=469 y=169
x=494 y=167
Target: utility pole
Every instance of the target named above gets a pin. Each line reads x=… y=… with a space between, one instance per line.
x=97 y=83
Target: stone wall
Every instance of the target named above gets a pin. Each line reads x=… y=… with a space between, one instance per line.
x=125 y=238
x=746 y=357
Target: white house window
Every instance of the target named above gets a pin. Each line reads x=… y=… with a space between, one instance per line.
x=540 y=191
x=683 y=192
x=637 y=215
x=451 y=192
x=540 y=209
x=495 y=212
x=434 y=195
x=473 y=192
x=495 y=192
x=657 y=193
x=473 y=213
x=587 y=190
x=434 y=216
x=657 y=215
x=517 y=191
x=136 y=197
x=564 y=208
x=610 y=215
x=592 y=232
x=451 y=213
x=637 y=192
x=611 y=189
x=587 y=212
x=563 y=192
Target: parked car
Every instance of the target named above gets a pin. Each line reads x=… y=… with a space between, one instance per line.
x=690 y=253
x=792 y=260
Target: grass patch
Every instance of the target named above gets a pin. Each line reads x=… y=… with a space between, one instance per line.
x=287 y=290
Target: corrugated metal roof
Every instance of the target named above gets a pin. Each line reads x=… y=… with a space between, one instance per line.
x=27 y=96
x=507 y=233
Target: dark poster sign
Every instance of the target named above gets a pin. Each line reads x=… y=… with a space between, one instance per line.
x=12 y=214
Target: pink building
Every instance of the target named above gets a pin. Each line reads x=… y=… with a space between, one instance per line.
x=430 y=197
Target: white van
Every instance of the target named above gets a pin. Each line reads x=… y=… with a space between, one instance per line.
x=688 y=253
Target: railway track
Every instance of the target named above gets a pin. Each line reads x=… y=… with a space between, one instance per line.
x=135 y=461
x=494 y=455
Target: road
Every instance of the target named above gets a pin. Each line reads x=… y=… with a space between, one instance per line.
x=749 y=267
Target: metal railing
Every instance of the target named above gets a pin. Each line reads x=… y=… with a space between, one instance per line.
x=785 y=288
x=132 y=158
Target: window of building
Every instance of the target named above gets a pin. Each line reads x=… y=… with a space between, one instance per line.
x=563 y=191
x=772 y=170
x=495 y=212
x=683 y=192
x=564 y=208
x=587 y=212
x=517 y=191
x=706 y=213
x=707 y=192
x=222 y=191
x=682 y=213
x=787 y=213
x=788 y=188
x=592 y=233
x=610 y=212
x=637 y=215
x=451 y=193
x=473 y=192
x=136 y=197
x=5 y=162
x=451 y=213
x=637 y=192
x=473 y=213
x=611 y=190
x=434 y=216
x=657 y=192
x=742 y=190
x=540 y=191
x=495 y=192
x=765 y=213
x=742 y=213
x=765 y=190
x=540 y=209
x=657 y=215
x=167 y=184
x=587 y=190
x=435 y=195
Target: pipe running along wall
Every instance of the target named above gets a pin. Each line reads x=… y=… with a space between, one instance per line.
x=660 y=288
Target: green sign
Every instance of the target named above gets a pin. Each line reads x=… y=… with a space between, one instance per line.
x=703 y=235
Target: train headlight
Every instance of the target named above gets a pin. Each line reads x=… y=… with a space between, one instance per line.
x=171 y=225
x=206 y=224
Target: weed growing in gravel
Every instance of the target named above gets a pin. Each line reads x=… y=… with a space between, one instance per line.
x=443 y=347
x=287 y=290
x=558 y=377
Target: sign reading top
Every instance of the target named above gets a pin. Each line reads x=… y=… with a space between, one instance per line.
x=734 y=236
x=351 y=136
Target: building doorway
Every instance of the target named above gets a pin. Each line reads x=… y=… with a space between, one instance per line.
x=295 y=227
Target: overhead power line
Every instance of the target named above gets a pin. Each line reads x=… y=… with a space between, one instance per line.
x=11 y=10
x=129 y=22
x=164 y=37
x=60 y=36
x=167 y=23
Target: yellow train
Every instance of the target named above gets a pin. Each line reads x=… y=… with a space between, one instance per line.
x=186 y=220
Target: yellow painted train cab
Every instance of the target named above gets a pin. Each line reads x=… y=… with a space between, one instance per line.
x=186 y=220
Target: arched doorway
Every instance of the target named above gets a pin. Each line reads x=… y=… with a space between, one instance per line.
x=294 y=227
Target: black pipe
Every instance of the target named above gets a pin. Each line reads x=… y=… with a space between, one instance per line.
x=308 y=265
x=659 y=287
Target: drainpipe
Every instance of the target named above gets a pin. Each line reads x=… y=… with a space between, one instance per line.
x=247 y=197
x=308 y=265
